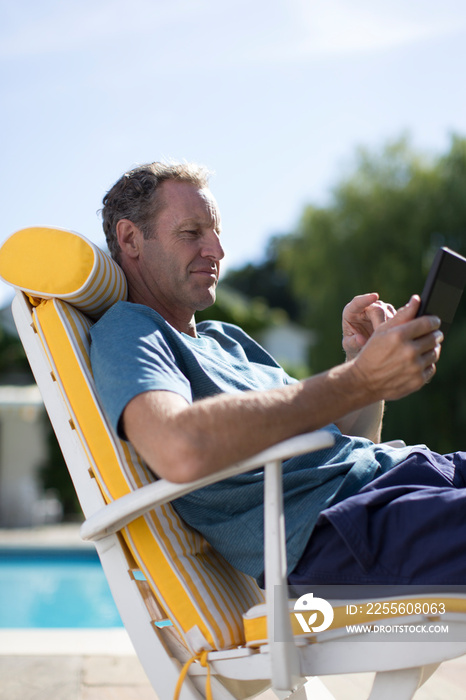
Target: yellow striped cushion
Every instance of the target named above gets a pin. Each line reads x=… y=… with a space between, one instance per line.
x=196 y=586
x=50 y=262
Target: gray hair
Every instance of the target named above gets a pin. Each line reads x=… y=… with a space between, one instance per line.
x=135 y=197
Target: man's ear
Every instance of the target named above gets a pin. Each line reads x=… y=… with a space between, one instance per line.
x=129 y=237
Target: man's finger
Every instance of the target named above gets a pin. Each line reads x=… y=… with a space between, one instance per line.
x=429 y=372
x=408 y=313
x=362 y=301
x=430 y=341
x=379 y=312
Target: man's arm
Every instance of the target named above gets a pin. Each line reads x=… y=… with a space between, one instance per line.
x=367 y=422
x=360 y=318
x=182 y=442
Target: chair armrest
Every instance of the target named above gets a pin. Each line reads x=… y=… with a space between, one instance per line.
x=399 y=444
x=114 y=516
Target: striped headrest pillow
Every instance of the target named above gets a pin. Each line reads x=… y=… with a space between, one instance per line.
x=50 y=263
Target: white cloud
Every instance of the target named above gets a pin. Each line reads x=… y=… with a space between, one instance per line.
x=146 y=36
x=80 y=24
x=336 y=26
x=327 y=28
x=311 y=27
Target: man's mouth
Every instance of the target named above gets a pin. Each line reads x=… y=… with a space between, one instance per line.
x=207 y=272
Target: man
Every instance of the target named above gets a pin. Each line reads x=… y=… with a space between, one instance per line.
x=193 y=399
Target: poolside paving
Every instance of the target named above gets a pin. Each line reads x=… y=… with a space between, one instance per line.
x=122 y=678
x=73 y=678
x=92 y=665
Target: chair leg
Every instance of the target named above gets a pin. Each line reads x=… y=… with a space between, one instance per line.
x=427 y=671
x=401 y=684
x=313 y=689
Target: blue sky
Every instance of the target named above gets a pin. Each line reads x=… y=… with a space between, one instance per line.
x=274 y=97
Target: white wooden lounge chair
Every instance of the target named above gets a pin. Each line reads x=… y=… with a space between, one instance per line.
x=199 y=627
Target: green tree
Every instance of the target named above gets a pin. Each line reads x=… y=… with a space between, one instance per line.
x=253 y=315
x=266 y=280
x=379 y=233
x=13 y=363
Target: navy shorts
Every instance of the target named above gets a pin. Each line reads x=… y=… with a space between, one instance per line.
x=407 y=526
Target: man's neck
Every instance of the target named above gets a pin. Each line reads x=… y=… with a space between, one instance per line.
x=181 y=323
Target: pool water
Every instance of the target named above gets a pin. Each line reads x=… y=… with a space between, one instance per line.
x=54 y=588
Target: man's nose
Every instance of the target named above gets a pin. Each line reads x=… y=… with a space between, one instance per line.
x=212 y=248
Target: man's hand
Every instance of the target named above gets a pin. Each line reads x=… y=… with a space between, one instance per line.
x=360 y=318
x=401 y=354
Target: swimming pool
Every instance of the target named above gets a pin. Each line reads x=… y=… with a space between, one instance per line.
x=54 y=588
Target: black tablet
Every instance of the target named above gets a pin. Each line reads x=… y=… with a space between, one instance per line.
x=444 y=287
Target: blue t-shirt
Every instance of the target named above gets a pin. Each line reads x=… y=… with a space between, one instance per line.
x=134 y=350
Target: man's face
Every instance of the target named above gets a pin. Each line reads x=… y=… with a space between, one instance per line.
x=180 y=264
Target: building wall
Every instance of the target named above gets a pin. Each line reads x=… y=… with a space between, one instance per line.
x=287 y=343
x=22 y=451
